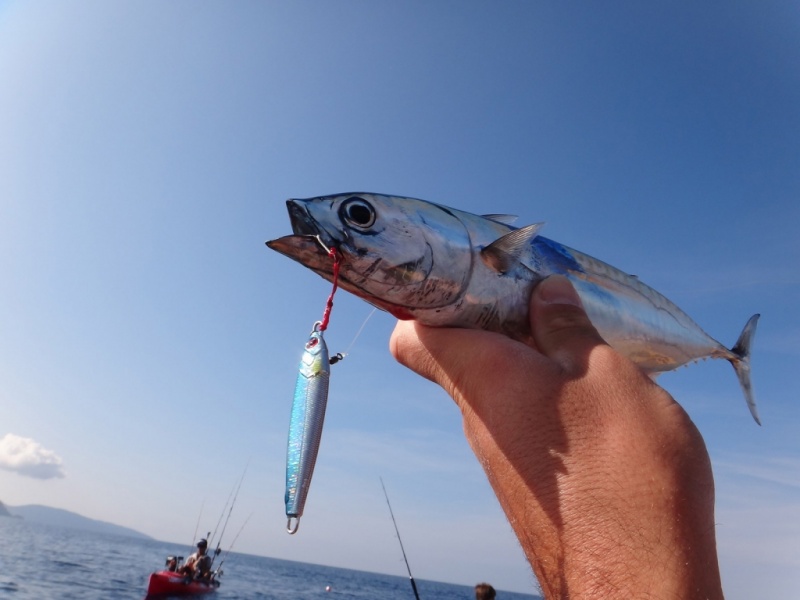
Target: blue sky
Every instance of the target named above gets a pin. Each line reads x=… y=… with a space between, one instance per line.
x=149 y=340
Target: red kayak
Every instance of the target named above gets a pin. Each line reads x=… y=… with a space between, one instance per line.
x=170 y=583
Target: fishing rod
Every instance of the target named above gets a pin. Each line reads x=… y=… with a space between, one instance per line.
x=228 y=551
x=225 y=526
x=410 y=576
x=234 y=489
x=221 y=515
x=197 y=525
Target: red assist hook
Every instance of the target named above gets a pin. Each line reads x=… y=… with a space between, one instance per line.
x=337 y=261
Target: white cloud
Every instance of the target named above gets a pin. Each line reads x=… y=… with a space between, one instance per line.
x=779 y=470
x=27 y=457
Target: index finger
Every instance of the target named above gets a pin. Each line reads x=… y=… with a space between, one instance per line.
x=469 y=362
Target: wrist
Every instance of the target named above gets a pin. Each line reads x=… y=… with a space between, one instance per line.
x=592 y=528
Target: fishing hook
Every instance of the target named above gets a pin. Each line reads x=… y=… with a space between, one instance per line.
x=324 y=247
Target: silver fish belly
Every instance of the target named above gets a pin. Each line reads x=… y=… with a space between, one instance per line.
x=446 y=267
x=305 y=427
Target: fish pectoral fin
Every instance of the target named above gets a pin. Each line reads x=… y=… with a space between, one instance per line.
x=504 y=219
x=503 y=253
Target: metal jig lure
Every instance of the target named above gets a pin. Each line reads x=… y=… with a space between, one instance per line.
x=308 y=412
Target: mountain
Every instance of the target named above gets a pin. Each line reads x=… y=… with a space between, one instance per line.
x=4 y=511
x=36 y=513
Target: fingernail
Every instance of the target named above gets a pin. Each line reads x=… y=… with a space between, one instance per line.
x=557 y=289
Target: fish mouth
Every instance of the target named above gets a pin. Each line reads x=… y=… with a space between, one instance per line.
x=304 y=224
x=310 y=246
x=307 y=250
x=311 y=243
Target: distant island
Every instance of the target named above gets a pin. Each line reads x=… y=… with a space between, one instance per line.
x=36 y=513
x=4 y=511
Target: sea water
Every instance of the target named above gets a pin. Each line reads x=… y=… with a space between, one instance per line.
x=40 y=562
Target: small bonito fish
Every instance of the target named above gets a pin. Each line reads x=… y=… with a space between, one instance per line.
x=446 y=267
x=305 y=426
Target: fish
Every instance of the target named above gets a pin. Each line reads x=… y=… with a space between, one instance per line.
x=305 y=426
x=449 y=268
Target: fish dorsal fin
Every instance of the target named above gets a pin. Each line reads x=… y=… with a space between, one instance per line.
x=504 y=219
x=503 y=253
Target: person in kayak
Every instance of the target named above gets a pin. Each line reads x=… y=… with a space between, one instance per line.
x=198 y=564
x=604 y=478
x=172 y=563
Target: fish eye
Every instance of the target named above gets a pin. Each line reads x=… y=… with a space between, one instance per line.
x=357 y=212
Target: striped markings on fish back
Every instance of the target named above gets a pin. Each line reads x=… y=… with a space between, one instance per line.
x=596 y=267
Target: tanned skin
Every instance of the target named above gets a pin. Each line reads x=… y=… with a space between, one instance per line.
x=603 y=476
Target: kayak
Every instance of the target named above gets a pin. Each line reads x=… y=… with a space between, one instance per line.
x=170 y=583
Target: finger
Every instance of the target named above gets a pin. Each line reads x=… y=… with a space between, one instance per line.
x=465 y=359
x=560 y=326
x=409 y=351
x=442 y=354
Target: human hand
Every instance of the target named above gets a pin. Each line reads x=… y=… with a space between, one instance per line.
x=604 y=478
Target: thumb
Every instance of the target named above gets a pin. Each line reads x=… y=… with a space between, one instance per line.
x=560 y=326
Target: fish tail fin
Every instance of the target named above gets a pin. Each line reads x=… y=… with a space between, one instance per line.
x=741 y=363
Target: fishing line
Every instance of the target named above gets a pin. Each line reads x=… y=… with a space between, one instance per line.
x=340 y=355
x=358 y=333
